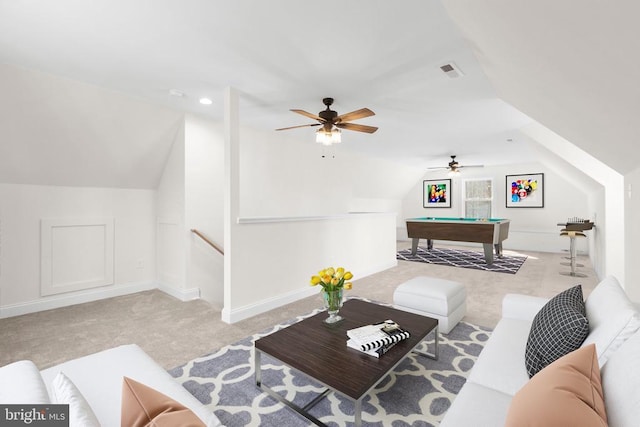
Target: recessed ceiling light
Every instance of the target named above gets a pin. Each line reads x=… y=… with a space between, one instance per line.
x=176 y=92
x=206 y=101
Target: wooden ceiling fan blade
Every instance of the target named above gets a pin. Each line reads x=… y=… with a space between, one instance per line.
x=356 y=127
x=355 y=115
x=310 y=115
x=301 y=126
x=438 y=167
x=470 y=166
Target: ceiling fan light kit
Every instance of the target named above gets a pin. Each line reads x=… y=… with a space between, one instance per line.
x=332 y=123
x=333 y=136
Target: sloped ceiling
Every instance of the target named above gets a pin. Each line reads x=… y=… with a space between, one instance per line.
x=108 y=119
x=572 y=66
x=280 y=54
x=57 y=131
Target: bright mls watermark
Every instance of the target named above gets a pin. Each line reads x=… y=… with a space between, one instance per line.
x=34 y=415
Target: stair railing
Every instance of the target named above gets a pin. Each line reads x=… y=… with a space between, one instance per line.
x=206 y=239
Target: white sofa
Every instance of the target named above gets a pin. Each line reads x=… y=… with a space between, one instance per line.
x=500 y=370
x=98 y=377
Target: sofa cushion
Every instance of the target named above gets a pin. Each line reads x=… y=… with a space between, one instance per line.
x=612 y=318
x=500 y=364
x=477 y=405
x=20 y=382
x=566 y=392
x=522 y=307
x=621 y=383
x=559 y=328
x=143 y=406
x=80 y=412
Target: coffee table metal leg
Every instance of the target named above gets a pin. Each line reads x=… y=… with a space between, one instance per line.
x=257 y=366
x=433 y=355
x=291 y=405
x=317 y=399
x=358 y=413
x=302 y=411
x=435 y=347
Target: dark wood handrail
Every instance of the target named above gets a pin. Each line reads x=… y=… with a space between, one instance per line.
x=206 y=239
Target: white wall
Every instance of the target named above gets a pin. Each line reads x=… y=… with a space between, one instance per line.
x=285 y=175
x=204 y=202
x=610 y=232
x=530 y=228
x=171 y=233
x=23 y=207
x=273 y=260
x=632 y=229
x=595 y=194
x=597 y=248
x=287 y=214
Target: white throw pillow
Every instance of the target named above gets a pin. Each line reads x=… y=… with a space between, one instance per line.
x=612 y=318
x=621 y=384
x=80 y=413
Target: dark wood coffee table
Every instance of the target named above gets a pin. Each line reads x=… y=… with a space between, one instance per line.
x=320 y=351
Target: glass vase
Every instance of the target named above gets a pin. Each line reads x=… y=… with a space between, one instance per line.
x=332 y=302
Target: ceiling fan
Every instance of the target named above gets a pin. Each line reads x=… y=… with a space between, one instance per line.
x=331 y=122
x=454 y=167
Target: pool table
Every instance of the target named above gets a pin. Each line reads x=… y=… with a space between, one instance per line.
x=491 y=232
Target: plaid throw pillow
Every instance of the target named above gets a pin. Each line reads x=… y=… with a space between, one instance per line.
x=559 y=328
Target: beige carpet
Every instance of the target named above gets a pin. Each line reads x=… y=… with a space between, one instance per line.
x=173 y=332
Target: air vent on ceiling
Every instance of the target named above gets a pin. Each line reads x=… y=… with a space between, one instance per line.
x=451 y=70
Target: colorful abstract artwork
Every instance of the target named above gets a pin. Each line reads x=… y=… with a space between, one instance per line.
x=525 y=191
x=436 y=193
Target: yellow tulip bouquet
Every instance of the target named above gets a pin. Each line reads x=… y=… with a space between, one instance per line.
x=332 y=279
x=333 y=282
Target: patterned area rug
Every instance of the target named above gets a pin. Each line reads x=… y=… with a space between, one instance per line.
x=464 y=259
x=417 y=393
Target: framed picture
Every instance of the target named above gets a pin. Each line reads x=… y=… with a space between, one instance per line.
x=436 y=193
x=525 y=191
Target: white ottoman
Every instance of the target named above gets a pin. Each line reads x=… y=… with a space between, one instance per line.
x=440 y=299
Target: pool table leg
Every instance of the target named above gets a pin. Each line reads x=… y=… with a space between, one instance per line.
x=429 y=244
x=499 y=250
x=488 y=253
x=414 y=245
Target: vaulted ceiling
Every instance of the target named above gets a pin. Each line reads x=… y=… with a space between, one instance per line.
x=279 y=54
x=570 y=66
x=573 y=66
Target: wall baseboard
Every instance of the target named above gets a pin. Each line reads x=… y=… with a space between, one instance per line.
x=181 y=294
x=284 y=299
x=57 y=301
x=266 y=305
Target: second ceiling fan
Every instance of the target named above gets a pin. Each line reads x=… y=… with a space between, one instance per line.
x=454 y=167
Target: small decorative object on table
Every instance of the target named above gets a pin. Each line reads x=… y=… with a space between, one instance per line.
x=333 y=282
x=376 y=339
